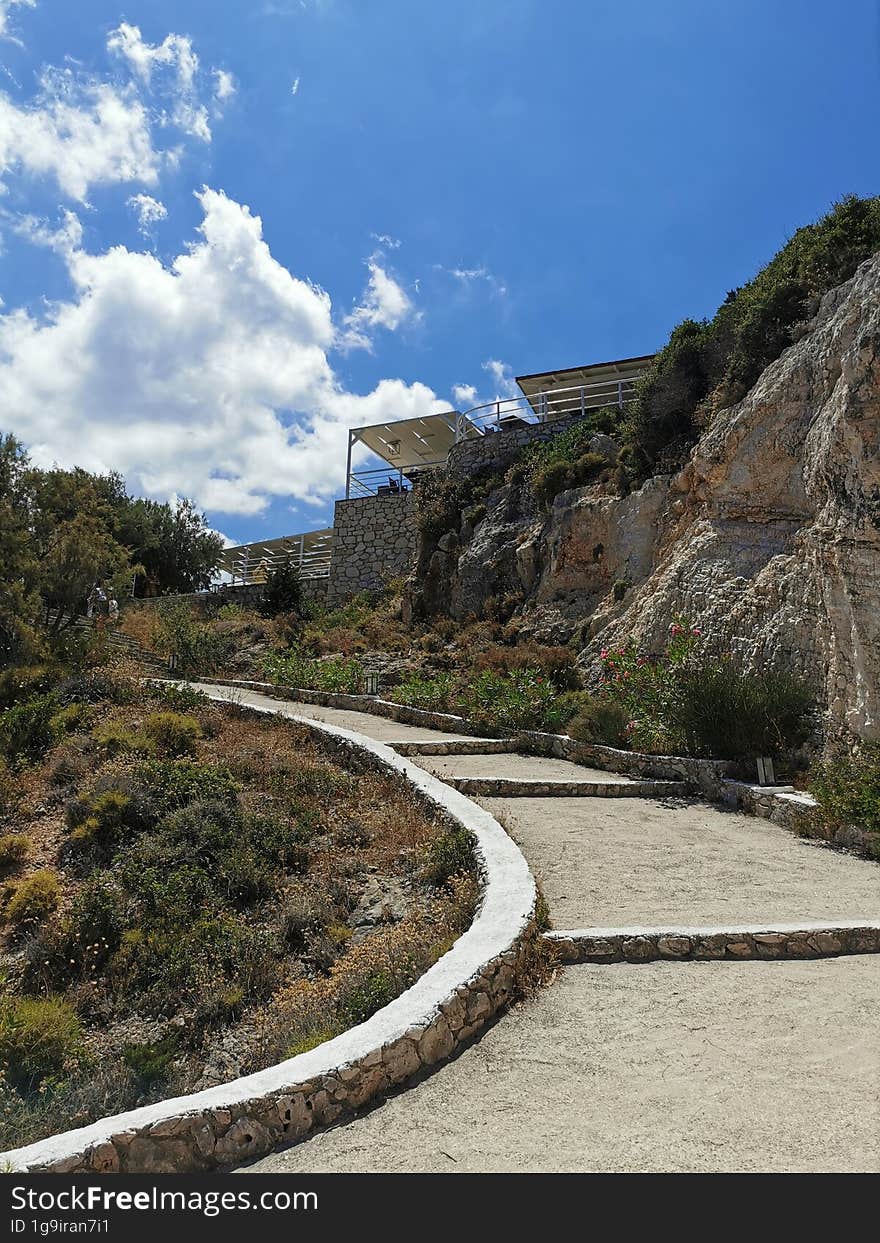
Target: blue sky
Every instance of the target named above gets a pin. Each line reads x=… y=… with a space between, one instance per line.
x=231 y=231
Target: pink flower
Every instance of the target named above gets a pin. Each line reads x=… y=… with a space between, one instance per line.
x=603 y=653
x=696 y=632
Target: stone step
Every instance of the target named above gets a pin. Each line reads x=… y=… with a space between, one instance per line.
x=456 y=746
x=517 y=787
x=820 y=939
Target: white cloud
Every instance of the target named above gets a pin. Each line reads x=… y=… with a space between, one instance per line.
x=385 y=304
x=81 y=133
x=294 y=90
x=5 y=7
x=464 y=395
x=502 y=378
x=207 y=377
x=84 y=131
x=149 y=211
x=224 y=85
x=468 y=276
x=169 y=68
x=64 y=240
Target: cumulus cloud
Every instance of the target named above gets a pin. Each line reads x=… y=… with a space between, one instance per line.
x=81 y=132
x=385 y=304
x=169 y=68
x=64 y=239
x=464 y=395
x=294 y=89
x=149 y=212
x=85 y=131
x=5 y=7
x=206 y=377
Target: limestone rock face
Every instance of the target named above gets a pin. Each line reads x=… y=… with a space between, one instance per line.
x=771 y=534
x=769 y=538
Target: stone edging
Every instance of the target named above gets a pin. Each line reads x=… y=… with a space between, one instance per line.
x=790 y=809
x=524 y=787
x=250 y=1116
x=807 y=940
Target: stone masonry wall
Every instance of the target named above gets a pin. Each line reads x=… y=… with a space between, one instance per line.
x=374 y=540
x=496 y=448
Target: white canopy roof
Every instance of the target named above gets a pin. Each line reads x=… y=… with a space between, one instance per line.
x=410 y=442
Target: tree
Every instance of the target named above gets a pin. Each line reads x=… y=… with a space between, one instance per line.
x=80 y=553
x=283 y=591
x=18 y=564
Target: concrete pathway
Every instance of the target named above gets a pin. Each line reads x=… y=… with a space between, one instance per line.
x=765 y=1065
x=671 y=1067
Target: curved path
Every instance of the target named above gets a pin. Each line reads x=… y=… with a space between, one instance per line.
x=769 y=1065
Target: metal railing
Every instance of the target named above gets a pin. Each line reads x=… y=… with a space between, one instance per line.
x=385 y=480
x=252 y=566
x=508 y=413
x=503 y=414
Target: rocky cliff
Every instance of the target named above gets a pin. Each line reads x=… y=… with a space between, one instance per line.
x=769 y=537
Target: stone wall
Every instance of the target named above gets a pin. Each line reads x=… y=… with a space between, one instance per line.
x=814 y=940
x=374 y=540
x=450 y=1003
x=245 y=595
x=495 y=449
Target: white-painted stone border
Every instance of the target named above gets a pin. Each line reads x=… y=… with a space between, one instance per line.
x=810 y=939
x=791 y=809
x=252 y=1115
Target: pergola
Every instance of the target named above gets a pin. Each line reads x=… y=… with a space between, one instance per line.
x=407 y=446
x=556 y=393
x=309 y=552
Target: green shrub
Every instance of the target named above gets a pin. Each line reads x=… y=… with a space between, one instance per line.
x=720 y=712
x=505 y=703
x=711 y=364
x=601 y=721
x=19 y=683
x=152 y=1060
x=847 y=789
x=98 y=916
x=103 y=820
x=26 y=729
x=39 y=1038
x=361 y=999
x=33 y=898
x=13 y=848
x=282 y=592
x=173 y=697
x=167 y=785
x=293 y=667
x=199 y=647
x=451 y=854
x=687 y=703
x=433 y=694
x=71 y=719
x=114 y=738
x=172 y=733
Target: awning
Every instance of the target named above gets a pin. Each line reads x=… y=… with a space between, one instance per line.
x=410 y=442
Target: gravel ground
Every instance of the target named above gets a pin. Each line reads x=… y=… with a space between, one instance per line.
x=520 y=767
x=670 y=1066
x=378 y=727
x=613 y=862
